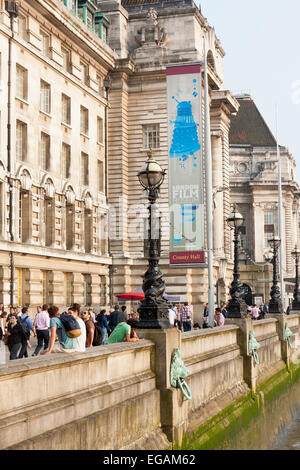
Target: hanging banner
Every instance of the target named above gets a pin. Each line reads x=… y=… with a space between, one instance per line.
x=186 y=202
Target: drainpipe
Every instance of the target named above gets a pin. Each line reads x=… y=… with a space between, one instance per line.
x=13 y=10
x=107 y=86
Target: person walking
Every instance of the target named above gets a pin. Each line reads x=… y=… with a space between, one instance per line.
x=186 y=317
x=42 y=325
x=220 y=319
x=101 y=321
x=26 y=324
x=172 y=317
x=224 y=310
x=66 y=344
x=3 y=318
x=206 y=316
x=263 y=310
x=255 y=312
x=15 y=337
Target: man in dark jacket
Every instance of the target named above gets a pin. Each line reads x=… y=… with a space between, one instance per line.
x=113 y=317
x=123 y=315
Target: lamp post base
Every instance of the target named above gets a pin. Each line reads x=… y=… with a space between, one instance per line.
x=236 y=310
x=275 y=307
x=153 y=317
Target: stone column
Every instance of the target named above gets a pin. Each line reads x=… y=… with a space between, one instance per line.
x=95 y=289
x=35 y=287
x=56 y=287
x=250 y=368
x=78 y=288
x=218 y=212
x=173 y=410
x=5 y=285
x=258 y=222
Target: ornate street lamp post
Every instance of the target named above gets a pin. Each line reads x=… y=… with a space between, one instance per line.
x=275 y=305
x=237 y=307
x=296 y=301
x=153 y=311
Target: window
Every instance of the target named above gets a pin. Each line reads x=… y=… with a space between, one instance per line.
x=45 y=151
x=21 y=141
x=66 y=109
x=49 y=218
x=100 y=84
x=269 y=227
x=269 y=218
x=45 y=97
x=66 y=160
x=22 y=27
x=84 y=73
x=100 y=170
x=100 y=130
x=84 y=169
x=45 y=43
x=21 y=82
x=151 y=136
x=84 y=120
x=66 y=59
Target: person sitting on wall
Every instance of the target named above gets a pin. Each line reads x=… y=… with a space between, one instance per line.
x=124 y=332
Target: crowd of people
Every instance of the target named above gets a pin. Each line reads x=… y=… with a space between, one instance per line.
x=79 y=328
x=71 y=331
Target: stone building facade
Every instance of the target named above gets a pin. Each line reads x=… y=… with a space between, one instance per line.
x=66 y=179
x=147 y=36
x=254 y=187
x=58 y=154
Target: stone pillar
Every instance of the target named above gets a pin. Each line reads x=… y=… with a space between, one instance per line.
x=35 y=287
x=5 y=285
x=258 y=216
x=249 y=367
x=78 y=288
x=280 y=326
x=95 y=289
x=173 y=410
x=218 y=211
x=56 y=288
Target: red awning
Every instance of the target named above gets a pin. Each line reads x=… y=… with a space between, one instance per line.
x=131 y=296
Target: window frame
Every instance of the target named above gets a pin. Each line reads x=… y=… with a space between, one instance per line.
x=48 y=110
x=145 y=134
x=20 y=68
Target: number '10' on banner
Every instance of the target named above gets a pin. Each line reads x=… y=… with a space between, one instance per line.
x=186 y=201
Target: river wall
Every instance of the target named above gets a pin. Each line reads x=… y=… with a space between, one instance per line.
x=120 y=396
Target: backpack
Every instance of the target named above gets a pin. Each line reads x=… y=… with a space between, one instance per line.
x=71 y=325
x=98 y=336
x=25 y=327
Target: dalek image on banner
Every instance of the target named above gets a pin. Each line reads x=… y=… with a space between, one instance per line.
x=185 y=141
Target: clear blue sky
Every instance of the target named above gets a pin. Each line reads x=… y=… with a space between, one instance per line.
x=261 y=39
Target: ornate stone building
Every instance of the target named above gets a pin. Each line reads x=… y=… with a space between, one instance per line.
x=64 y=175
x=254 y=187
x=59 y=62
x=147 y=36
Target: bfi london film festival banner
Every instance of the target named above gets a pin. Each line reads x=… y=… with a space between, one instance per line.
x=186 y=202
